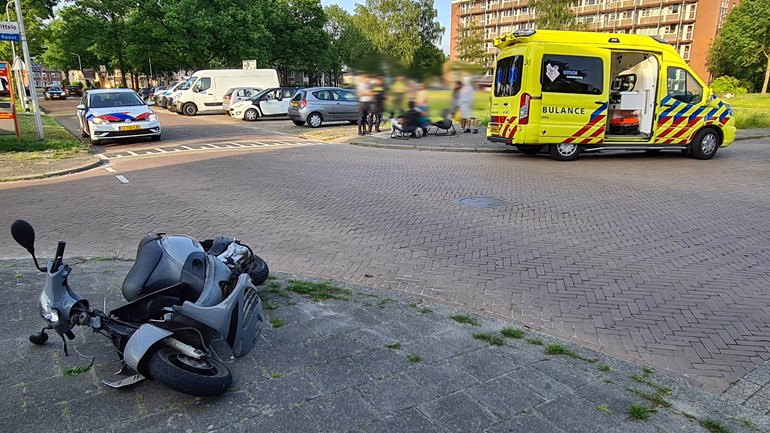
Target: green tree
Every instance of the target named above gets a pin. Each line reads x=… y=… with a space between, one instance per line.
x=198 y=34
x=470 y=44
x=392 y=27
x=35 y=13
x=556 y=15
x=300 y=42
x=742 y=48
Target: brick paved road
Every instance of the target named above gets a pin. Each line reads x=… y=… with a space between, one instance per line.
x=656 y=259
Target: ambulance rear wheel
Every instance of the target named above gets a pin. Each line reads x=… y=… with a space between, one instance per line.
x=705 y=144
x=529 y=150
x=564 y=151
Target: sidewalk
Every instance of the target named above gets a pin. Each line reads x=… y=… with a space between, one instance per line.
x=469 y=142
x=367 y=361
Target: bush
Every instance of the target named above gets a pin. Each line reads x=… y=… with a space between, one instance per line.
x=727 y=84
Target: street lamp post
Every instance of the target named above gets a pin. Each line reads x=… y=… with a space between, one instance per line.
x=80 y=68
x=19 y=82
x=32 y=88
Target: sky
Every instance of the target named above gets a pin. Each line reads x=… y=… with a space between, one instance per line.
x=444 y=8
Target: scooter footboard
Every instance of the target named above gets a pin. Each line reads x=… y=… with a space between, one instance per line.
x=238 y=318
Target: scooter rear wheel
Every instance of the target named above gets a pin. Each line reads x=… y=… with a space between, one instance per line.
x=259 y=271
x=201 y=378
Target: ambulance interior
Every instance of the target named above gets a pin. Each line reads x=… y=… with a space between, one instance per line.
x=632 y=95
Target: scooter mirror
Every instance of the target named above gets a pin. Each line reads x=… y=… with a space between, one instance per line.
x=24 y=235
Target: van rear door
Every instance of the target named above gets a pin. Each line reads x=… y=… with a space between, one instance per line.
x=506 y=93
x=575 y=94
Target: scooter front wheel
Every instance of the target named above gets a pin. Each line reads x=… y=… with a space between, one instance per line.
x=205 y=378
x=259 y=271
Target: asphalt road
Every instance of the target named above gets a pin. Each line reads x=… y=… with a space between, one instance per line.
x=184 y=130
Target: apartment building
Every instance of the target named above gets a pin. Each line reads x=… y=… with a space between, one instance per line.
x=688 y=25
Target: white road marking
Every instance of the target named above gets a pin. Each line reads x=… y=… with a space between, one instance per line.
x=110 y=169
x=122 y=178
x=132 y=153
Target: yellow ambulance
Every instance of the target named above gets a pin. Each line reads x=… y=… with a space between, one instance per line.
x=566 y=92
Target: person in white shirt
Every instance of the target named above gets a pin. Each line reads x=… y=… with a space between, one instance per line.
x=465 y=102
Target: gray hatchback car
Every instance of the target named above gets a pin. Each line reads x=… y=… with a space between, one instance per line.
x=316 y=105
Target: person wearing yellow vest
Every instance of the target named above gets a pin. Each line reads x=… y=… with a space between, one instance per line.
x=398 y=94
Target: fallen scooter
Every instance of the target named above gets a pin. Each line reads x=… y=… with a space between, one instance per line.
x=180 y=294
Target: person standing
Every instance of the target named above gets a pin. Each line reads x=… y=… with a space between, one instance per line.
x=377 y=106
x=398 y=93
x=455 y=107
x=465 y=101
x=364 y=92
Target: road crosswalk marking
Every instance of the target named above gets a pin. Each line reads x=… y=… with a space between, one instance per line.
x=207 y=146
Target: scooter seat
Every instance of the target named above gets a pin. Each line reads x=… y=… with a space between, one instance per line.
x=163 y=261
x=148 y=255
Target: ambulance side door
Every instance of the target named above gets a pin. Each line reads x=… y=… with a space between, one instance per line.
x=506 y=93
x=575 y=94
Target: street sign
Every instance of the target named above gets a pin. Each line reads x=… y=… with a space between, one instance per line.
x=18 y=65
x=8 y=122
x=9 y=31
x=249 y=64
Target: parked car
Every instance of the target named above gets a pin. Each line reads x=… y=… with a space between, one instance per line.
x=316 y=105
x=54 y=92
x=74 y=91
x=144 y=92
x=238 y=94
x=155 y=91
x=273 y=102
x=161 y=97
x=204 y=91
x=116 y=113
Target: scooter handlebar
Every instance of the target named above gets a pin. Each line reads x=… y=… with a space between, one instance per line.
x=59 y=255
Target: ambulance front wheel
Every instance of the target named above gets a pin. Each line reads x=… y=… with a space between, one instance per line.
x=564 y=151
x=705 y=144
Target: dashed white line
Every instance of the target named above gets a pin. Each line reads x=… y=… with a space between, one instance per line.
x=122 y=178
x=110 y=169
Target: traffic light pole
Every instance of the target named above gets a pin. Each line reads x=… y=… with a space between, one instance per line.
x=30 y=76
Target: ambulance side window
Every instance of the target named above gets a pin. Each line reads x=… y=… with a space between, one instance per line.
x=508 y=76
x=572 y=74
x=684 y=87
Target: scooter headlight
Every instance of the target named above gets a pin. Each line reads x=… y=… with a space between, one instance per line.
x=48 y=313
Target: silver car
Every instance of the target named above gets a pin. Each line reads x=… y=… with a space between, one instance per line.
x=238 y=94
x=316 y=105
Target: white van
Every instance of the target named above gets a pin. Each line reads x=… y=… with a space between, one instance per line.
x=205 y=90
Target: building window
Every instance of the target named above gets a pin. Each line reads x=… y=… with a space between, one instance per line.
x=674 y=9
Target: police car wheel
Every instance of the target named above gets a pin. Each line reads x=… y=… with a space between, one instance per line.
x=564 y=152
x=705 y=144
